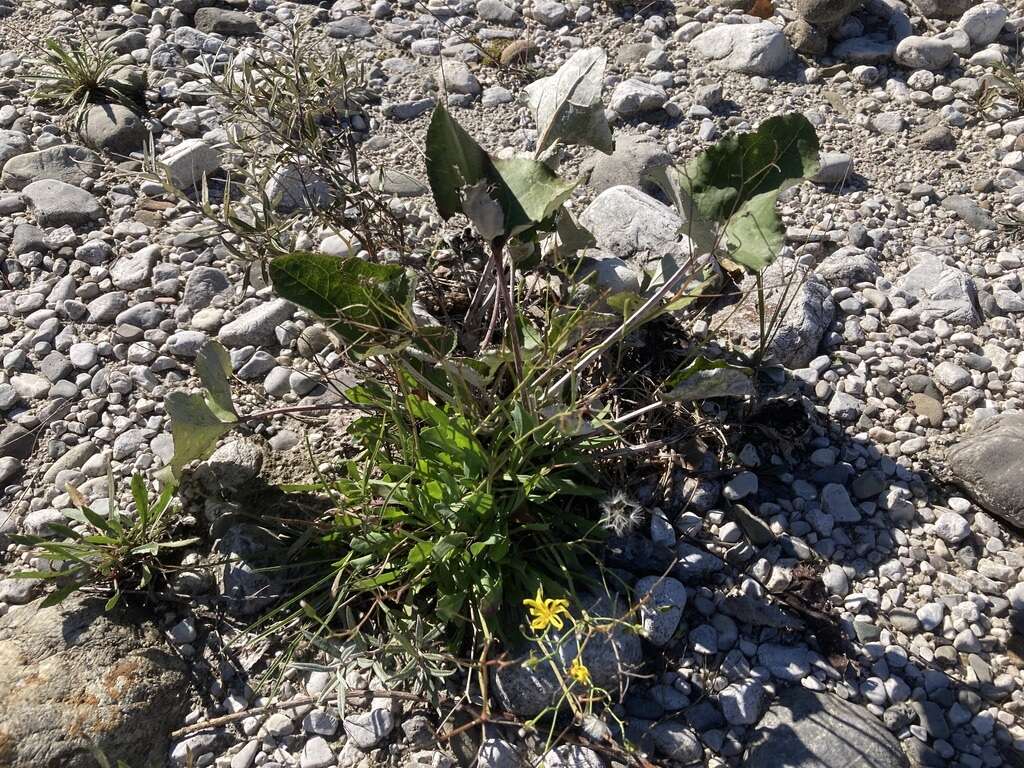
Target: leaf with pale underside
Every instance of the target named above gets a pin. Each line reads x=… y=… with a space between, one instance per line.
x=567 y=105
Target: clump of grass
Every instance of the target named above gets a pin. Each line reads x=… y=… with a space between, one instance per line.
x=77 y=74
x=114 y=553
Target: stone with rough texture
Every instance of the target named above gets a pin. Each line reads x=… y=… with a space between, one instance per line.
x=806 y=729
x=65 y=162
x=663 y=601
x=942 y=292
x=754 y=49
x=113 y=128
x=986 y=463
x=247 y=580
x=187 y=163
x=73 y=674
x=57 y=203
x=226 y=22
x=809 y=311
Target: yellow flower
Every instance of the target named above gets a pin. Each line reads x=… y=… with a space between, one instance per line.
x=546 y=612
x=579 y=672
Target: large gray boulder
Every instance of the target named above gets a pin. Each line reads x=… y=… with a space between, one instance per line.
x=806 y=729
x=64 y=162
x=754 y=49
x=74 y=675
x=988 y=463
x=806 y=313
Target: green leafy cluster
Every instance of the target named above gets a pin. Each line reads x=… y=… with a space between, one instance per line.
x=114 y=552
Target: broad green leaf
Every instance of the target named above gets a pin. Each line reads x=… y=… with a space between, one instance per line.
x=537 y=189
x=366 y=300
x=141 y=498
x=571 y=236
x=781 y=151
x=213 y=364
x=567 y=105
x=755 y=234
x=194 y=427
x=454 y=160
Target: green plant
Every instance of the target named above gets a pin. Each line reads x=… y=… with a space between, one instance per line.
x=292 y=152
x=75 y=74
x=113 y=552
x=482 y=438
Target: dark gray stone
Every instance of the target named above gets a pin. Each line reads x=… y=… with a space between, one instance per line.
x=246 y=586
x=65 y=162
x=222 y=21
x=988 y=462
x=631 y=162
x=806 y=729
x=113 y=128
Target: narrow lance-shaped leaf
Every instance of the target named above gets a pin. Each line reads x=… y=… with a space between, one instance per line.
x=567 y=105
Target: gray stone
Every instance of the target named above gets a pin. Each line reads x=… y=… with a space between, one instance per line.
x=677 y=742
x=635 y=97
x=12 y=143
x=497 y=753
x=65 y=162
x=662 y=601
x=225 y=22
x=631 y=162
x=257 y=326
x=864 y=50
x=918 y=52
x=986 y=464
x=984 y=22
x=497 y=12
x=942 y=292
x=248 y=579
x=132 y=272
x=807 y=312
x=368 y=729
x=847 y=267
x=28 y=237
x=350 y=26
x=293 y=187
x=113 y=128
x=232 y=467
x=807 y=729
x=203 y=286
x=610 y=656
x=754 y=49
x=75 y=676
x=456 y=77
x=188 y=162
x=834 y=168
x=550 y=13
x=825 y=13
x=970 y=212
x=943 y=9
x=57 y=203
